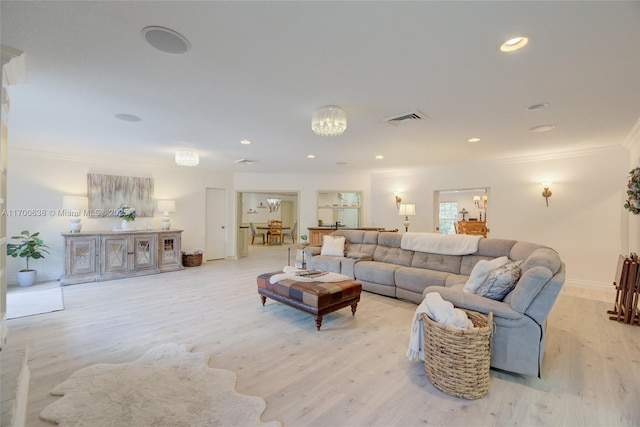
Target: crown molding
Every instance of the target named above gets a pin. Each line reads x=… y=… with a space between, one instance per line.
x=14 y=69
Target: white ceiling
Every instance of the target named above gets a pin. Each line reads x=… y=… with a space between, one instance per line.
x=257 y=70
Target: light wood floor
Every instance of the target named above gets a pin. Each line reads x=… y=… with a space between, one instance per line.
x=352 y=373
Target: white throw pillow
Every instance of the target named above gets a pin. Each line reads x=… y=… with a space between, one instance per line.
x=481 y=271
x=332 y=245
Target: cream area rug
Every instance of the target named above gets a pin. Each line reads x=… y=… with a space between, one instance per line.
x=30 y=302
x=168 y=386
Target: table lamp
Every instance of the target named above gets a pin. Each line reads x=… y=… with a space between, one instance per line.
x=166 y=206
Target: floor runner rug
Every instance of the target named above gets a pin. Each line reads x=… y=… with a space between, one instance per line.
x=168 y=386
x=29 y=302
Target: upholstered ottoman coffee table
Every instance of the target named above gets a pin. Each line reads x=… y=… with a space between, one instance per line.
x=313 y=297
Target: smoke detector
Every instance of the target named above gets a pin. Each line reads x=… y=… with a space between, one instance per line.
x=409 y=115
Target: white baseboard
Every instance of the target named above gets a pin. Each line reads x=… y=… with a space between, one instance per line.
x=585 y=284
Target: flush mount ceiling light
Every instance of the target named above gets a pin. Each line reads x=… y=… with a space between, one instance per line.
x=473 y=139
x=542 y=128
x=514 y=43
x=166 y=40
x=311 y=156
x=127 y=117
x=245 y=142
x=538 y=106
x=329 y=120
x=379 y=157
x=187 y=158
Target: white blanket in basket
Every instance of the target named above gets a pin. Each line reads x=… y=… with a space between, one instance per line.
x=440 y=311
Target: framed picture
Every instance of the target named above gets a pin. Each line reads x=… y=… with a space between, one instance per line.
x=108 y=192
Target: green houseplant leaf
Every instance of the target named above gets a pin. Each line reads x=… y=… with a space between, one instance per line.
x=28 y=246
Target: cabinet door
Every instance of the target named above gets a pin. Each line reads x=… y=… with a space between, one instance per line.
x=144 y=251
x=114 y=254
x=81 y=255
x=170 y=255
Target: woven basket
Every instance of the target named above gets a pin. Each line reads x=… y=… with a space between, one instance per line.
x=192 y=260
x=457 y=360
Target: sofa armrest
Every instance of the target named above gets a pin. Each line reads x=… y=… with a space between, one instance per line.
x=348 y=264
x=310 y=251
x=360 y=256
x=474 y=302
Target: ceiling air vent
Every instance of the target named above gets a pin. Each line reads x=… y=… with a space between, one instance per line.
x=245 y=161
x=409 y=115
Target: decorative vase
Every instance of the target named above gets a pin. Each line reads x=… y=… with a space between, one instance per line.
x=128 y=225
x=27 y=278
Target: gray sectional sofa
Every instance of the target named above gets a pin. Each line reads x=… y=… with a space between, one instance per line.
x=377 y=260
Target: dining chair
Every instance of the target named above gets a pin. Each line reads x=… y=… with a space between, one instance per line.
x=275 y=231
x=292 y=233
x=252 y=227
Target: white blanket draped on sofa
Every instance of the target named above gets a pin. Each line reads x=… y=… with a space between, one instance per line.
x=445 y=244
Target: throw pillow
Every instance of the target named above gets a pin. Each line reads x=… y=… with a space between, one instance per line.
x=481 y=271
x=332 y=245
x=501 y=281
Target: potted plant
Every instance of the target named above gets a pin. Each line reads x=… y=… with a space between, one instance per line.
x=303 y=239
x=128 y=215
x=28 y=246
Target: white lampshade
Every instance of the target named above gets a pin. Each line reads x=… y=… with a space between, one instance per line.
x=166 y=205
x=407 y=209
x=75 y=206
x=187 y=158
x=329 y=120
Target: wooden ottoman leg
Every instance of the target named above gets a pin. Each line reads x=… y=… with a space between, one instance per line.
x=318 y=322
x=353 y=308
x=263 y=299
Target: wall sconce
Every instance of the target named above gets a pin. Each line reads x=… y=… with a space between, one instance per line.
x=75 y=207
x=398 y=199
x=407 y=209
x=546 y=193
x=166 y=206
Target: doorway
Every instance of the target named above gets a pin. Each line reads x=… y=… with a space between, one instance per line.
x=216 y=208
x=465 y=203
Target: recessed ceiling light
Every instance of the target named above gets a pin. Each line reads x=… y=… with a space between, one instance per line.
x=245 y=142
x=473 y=139
x=128 y=117
x=166 y=40
x=379 y=156
x=542 y=128
x=538 y=106
x=514 y=43
x=311 y=156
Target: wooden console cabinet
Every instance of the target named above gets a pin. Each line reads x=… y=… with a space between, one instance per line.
x=108 y=255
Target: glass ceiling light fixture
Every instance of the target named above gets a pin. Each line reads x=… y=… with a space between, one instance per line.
x=187 y=158
x=329 y=120
x=273 y=204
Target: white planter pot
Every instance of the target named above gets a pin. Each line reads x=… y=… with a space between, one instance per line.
x=27 y=278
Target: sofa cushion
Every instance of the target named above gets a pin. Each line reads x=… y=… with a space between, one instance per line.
x=481 y=271
x=447 y=263
x=376 y=272
x=543 y=256
x=332 y=245
x=500 y=281
x=418 y=279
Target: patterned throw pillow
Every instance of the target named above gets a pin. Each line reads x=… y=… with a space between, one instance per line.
x=501 y=281
x=332 y=245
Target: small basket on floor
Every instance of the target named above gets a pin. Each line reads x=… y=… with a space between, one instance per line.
x=457 y=360
x=192 y=260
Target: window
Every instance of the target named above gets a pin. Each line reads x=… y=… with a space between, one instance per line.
x=448 y=217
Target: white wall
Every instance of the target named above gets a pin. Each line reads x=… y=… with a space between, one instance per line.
x=585 y=221
x=39 y=182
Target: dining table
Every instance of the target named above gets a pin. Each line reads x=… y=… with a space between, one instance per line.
x=268 y=231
